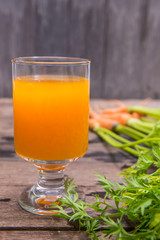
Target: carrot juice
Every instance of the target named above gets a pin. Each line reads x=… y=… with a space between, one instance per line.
x=51 y=117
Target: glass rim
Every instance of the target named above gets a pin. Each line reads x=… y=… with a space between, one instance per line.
x=50 y=60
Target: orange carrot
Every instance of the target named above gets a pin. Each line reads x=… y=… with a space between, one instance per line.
x=93 y=123
x=114 y=110
x=145 y=101
x=121 y=107
x=122 y=118
x=135 y=115
x=110 y=117
x=106 y=123
x=92 y=113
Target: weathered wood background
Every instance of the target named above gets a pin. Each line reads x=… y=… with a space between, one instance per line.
x=121 y=37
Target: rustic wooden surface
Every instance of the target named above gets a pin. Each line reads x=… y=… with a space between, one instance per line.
x=121 y=37
x=15 y=174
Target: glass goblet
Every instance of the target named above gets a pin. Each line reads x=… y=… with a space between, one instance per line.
x=51 y=112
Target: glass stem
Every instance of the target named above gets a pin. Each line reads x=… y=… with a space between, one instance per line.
x=51 y=179
x=50 y=185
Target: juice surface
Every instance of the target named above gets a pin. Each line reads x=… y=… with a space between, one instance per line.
x=51 y=117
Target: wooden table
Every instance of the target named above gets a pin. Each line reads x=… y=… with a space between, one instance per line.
x=16 y=174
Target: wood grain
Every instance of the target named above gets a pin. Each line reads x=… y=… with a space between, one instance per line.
x=16 y=174
x=120 y=37
x=41 y=235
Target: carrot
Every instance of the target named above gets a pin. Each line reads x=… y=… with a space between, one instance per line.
x=135 y=115
x=114 y=110
x=106 y=123
x=93 y=123
x=98 y=119
x=92 y=113
x=109 y=118
x=145 y=101
x=121 y=118
x=121 y=107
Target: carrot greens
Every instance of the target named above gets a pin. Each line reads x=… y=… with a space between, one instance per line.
x=155 y=113
x=135 y=199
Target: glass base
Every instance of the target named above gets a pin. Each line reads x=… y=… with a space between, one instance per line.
x=33 y=201
x=39 y=198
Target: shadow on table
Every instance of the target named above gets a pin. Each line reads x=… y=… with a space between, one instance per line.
x=116 y=157
x=7 y=153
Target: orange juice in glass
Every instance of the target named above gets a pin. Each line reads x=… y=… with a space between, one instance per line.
x=51 y=112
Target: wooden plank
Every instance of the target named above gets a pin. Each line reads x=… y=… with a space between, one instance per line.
x=17 y=28
x=52 y=27
x=150 y=53
x=122 y=68
x=41 y=235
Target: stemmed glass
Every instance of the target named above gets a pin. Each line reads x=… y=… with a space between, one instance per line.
x=51 y=112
